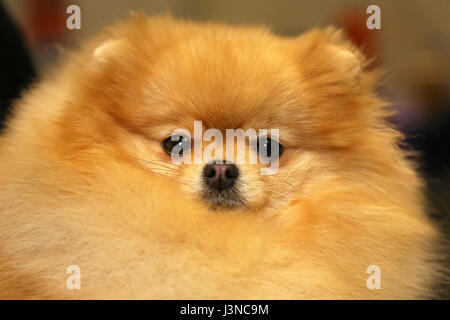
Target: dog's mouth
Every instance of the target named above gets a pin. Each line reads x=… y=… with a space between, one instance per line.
x=227 y=199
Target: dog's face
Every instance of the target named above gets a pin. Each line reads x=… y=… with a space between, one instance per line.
x=166 y=76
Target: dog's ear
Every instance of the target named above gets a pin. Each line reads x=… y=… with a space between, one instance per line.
x=346 y=61
x=106 y=50
x=328 y=57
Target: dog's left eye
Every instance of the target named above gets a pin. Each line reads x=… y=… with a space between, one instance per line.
x=176 y=144
x=269 y=148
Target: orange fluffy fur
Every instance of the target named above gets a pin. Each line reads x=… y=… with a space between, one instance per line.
x=84 y=180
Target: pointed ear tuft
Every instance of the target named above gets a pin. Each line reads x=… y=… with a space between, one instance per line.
x=327 y=53
x=347 y=61
x=105 y=50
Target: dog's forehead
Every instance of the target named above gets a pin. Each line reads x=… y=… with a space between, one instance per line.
x=225 y=84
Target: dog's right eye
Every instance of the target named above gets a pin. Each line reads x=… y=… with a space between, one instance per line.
x=176 y=145
x=269 y=148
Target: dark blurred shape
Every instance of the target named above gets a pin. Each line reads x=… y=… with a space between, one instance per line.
x=17 y=70
x=47 y=20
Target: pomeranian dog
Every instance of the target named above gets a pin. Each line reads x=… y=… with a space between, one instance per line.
x=93 y=206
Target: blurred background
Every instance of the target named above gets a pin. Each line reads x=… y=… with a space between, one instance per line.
x=413 y=43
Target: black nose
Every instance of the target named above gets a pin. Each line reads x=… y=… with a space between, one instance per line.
x=220 y=176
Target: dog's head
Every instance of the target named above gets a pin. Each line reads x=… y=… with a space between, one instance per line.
x=199 y=103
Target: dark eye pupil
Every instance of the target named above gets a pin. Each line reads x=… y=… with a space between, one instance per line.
x=268 y=147
x=177 y=144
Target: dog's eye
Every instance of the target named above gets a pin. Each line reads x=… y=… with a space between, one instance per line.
x=269 y=148
x=176 y=145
